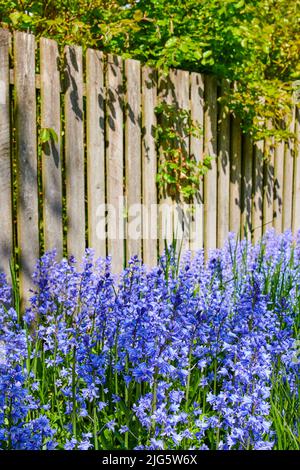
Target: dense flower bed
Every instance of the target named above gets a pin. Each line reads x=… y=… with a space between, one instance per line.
x=187 y=355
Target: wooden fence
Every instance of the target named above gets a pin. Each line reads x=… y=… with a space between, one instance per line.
x=102 y=108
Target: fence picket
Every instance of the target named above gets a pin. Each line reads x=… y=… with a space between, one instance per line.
x=196 y=150
x=6 y=220
x=25 y=115
x=180 y=81
x=247 y=188
x=133 y=158
x=51 y=152
x=210 y=148
x=223 y=169
x=257 y=206
x=235 y=177
x=278 y=185
x=74 y=151
x=95 y=141
x=287 y=199
x=268 y=184
x=166 y=203
x=114 y=162
x=149 y=165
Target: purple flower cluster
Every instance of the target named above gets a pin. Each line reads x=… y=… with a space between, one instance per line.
x=22 y=425
x=181 y=356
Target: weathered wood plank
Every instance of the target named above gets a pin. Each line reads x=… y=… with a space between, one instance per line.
x=181 y=221
x=51 y=154
x=247 y=172
x=278 y=185
x=133 y=159
x=196 y=150
x=288 y=180
x=95 y=140
x=210 y=148
x=223 y=169
x=149 y=166
x=25 y=115
x=166 y=203
x=74 y=152
x=257 y=207
x=6 y=220
x=268 y=184
x=235 y=177
x=296 y=201
x=114 y=162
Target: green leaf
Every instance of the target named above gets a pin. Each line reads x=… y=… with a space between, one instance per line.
x=46 y=134
x=15 y=17
x=207 y=54
x=26 y=19
x=171 y=42
x=138 y=15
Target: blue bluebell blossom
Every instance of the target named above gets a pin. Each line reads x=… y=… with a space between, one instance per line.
x=180 y=356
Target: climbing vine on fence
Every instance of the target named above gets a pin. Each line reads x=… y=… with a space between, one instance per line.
x=178 y=171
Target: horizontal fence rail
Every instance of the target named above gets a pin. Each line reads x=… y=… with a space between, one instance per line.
x=79 y=157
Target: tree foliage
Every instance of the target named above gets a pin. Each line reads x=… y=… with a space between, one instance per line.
x=254 y=43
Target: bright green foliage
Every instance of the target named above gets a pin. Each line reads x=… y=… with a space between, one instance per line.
x=255 y=42
x=47 y=134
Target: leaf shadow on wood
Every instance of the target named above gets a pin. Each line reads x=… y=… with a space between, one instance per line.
x=258 y=188
x=150 y=84
x=114 y=96
x=168 y=95
x=70 y=68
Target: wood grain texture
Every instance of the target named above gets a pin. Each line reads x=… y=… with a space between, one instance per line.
x=247 y=187
x=114 y=161
x=210 y=148
x=74 y=151
x=235 y=177
x=257 y=207
x=133 y=159
x=149 y=166
x=6 y=220
x=51 y=151
x=166 y=203
x=278 y=186
x=223 y=169
x=268 y=184
x=25 y=116
x=296 y=201
x=288 y=180
x=181 y=215
x=95 y=141
x=197 y=151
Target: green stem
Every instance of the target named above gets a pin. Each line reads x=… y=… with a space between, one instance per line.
x=74 y=420
x=126 y=404
x=188 y=382
x=95 y=427
x=55 y=388
x=154 y=399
